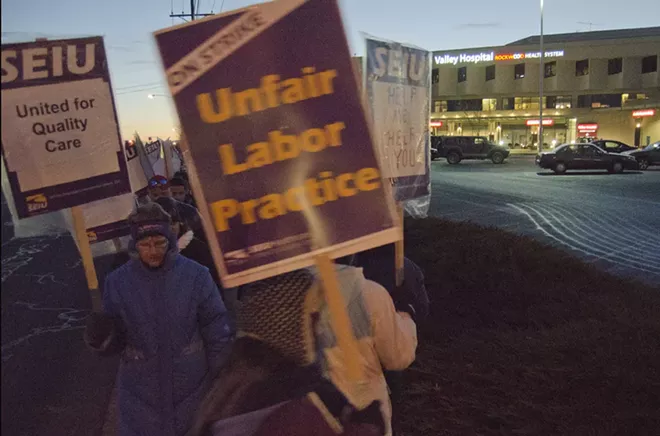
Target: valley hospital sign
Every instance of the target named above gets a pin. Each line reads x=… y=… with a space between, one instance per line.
x=475 y=58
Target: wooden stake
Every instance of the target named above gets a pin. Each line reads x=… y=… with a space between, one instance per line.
x=399 y=250
x=341 y=323
x=117 y=244
x=80 y=230
x=169 y=170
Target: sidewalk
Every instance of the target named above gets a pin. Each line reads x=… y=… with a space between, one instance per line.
x=111 y=416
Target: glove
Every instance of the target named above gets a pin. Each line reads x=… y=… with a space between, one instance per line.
x=104 y=333
x=404 y=301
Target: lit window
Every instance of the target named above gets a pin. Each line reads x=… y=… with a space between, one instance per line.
x=489 y=104
x=440 y=106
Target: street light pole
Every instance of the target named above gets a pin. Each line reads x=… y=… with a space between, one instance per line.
x=541 y=77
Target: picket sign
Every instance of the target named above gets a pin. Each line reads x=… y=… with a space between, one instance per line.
x=339 y=319
x=341 y=323
x=85 y=249
x=80 y=231
x=399 y=250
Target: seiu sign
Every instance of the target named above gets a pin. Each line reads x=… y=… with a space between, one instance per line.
x=43 y=62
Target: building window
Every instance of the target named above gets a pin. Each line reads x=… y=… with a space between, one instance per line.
x=508 y=103
x=558 y=102
x=489 y=104
x=614 y=66
x=582 y=68
x=462 y=74
x=599 y=101
x=519 y=71
x=435 y=76
x=628 y=97
x=524 y=103
x=649 y=64
x=440 y=106
x=464 y=105
x=550 y=69
x=490 y=73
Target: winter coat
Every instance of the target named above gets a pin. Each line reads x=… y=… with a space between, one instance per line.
x=387 y=340
x=260 y=393
x=191 y=217
x=177 y=338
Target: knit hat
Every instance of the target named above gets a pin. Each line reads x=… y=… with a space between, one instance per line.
x=278 y=311
x=149 y=220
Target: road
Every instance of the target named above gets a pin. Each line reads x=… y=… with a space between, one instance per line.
x=51 y=384
x=612 y=221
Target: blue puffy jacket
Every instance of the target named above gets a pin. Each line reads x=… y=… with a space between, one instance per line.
x=177 y=337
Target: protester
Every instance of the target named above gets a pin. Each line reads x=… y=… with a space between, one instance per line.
x=386 y=335
x=163 y=312
x=271 y=384
x=159 y=187
x=181 y=191
x=188 y=243
x=378 y=265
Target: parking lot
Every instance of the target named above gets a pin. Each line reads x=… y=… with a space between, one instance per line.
x=612 y=221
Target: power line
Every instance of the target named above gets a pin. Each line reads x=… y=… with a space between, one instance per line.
x=150 y=88
x=193 y=14
x=141 y=85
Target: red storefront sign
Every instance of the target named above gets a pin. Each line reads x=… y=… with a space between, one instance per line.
x=546 y=122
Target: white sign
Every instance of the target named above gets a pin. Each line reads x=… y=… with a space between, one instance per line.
x=400 y=112
x=55 y=134
x=60 y=137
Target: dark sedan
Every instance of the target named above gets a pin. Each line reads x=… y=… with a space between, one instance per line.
x=611 y=146
x=584 y=157
x=649 y=155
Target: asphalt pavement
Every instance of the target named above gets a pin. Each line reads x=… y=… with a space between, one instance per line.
x=51 y=384
x=610 y=220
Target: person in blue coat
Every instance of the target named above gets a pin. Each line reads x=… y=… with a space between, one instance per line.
x=163 y=312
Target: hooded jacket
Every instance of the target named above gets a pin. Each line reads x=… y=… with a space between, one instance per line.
x=387 y=340
x=177 y=336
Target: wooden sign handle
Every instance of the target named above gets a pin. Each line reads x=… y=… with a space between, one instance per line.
x=80 y=230
x=399 y=250
x=341 y=323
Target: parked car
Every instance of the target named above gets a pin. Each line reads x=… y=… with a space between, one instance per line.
x=584 y=157
x=649 y=155
x=457 y=148
x=435 y=154
x=611 y=146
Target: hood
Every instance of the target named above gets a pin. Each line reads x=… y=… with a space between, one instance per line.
x=630 y=152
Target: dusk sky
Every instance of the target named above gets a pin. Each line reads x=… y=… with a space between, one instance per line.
x=431 y=24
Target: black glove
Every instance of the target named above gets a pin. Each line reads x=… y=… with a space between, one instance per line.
x=404 y=301
x=105 y=334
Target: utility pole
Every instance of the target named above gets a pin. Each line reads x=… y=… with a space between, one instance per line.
x=541 y=77
x=192 y=15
